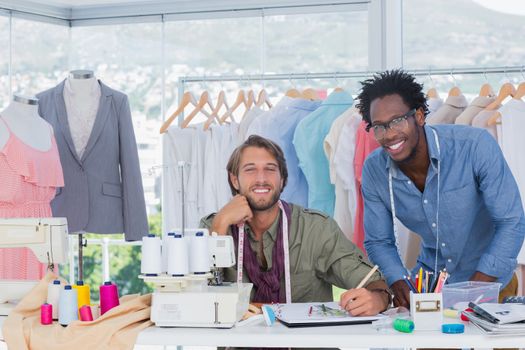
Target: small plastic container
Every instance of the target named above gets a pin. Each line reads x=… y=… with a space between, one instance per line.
x=458 y=295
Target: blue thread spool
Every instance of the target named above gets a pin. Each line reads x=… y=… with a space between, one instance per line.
x=67 y=306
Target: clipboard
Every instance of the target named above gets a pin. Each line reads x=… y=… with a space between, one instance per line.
x=318 y=314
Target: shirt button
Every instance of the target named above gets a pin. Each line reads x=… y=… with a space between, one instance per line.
x=425 y=201
x=433 y=224
x=449 y=260
x=443 y=244
x=409 y=182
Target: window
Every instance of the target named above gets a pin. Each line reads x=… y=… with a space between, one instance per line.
x=211 y=47
x=40 y=52
x=4 y=61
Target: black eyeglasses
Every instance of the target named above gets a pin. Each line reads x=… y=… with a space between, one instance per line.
x=397 y=124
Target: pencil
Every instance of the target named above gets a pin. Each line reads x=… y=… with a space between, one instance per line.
x=367 y=277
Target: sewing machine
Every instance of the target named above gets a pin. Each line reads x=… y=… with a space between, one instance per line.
x=190 y=302
x=46 y=237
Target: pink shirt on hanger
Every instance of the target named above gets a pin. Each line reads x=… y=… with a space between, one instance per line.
x=365 y=144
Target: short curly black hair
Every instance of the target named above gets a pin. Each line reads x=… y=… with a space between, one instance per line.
x=391 y=82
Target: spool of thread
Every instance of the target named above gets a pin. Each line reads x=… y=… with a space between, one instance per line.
x=108 y=297
x=85 y=313
x=199 y=254
x=151 y=262
x=46 y=314
x=67 y=306
x=95 y=311
x=402 y=325
x=166 y=250
x=53 y=295
x=178 y=262
x=83 y=294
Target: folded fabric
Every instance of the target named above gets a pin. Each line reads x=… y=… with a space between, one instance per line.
x=116 y=329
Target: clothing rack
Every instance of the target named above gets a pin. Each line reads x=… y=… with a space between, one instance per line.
x=345 y=75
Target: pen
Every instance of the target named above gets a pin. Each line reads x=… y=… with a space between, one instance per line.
x=310 y=311
x=367 y=277
x=410 y=284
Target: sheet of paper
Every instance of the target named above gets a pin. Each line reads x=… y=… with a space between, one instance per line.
x=317 y=313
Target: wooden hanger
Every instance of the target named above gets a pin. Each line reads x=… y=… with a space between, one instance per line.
x=486 y=90
x=263 y=98
x=203 y=101
x=187 y=98
x=520 y=92
x=310 y=94
x=293 y=93
x=240 y=100
x=432 y=93
x=505 y=91
x=455 y=91
x=338 y=89
x=250 y=100
x=214 y=116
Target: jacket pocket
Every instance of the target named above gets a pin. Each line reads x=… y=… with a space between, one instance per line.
x=113 y=190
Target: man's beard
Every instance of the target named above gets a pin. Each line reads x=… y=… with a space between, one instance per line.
x=262 y=206
x=413 y=152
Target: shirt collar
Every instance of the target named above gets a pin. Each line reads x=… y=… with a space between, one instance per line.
x=433 y=152
x=339 y=98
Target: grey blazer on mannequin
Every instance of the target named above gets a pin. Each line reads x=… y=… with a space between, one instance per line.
x=103 y=190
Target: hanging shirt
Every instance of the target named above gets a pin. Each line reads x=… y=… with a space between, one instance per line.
x=220 y=142
x=183 y=145
x=308 y=141
x=434 y=103
x=513 y=145
x=339 y=147
x=81 y=122
x=246 y=121
x=365 y=144
x=279 y=125
x=449 y=111
x=481 y=121
x=476 y=106
x=481 y=220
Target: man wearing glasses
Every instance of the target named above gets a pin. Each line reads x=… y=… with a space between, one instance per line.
x=448 y=183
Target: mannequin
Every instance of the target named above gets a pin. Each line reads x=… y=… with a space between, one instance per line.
x=31 y=172
x=21 y=116
x=82 y=98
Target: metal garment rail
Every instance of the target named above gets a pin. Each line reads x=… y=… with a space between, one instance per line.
x=344 y=75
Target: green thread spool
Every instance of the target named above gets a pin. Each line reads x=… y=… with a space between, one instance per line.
x=402 y=325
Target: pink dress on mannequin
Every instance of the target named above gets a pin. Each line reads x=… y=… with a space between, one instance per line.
x=29 y=180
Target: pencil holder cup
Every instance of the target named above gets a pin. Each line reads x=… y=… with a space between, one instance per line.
x=427 y=311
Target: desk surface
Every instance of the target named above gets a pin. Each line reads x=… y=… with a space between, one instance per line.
x=355 y=336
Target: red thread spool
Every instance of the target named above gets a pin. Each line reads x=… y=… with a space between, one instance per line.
x=85 y=313
x=46 y=314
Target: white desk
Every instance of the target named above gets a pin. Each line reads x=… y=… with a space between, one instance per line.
x=357 y=336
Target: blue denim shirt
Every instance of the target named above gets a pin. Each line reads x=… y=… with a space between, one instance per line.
x=481 y=220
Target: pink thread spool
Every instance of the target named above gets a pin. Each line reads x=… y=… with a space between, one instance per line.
x=108 y=297
x=85 y=313
x=46 y=314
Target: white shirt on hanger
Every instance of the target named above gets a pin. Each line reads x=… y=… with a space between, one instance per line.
x=246 y=121
x=339 y=147
x=512 y=143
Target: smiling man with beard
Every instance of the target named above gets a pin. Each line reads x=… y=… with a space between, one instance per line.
x=449 y=184
x=289 y=253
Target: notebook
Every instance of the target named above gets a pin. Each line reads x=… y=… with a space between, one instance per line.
x=317 y=314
